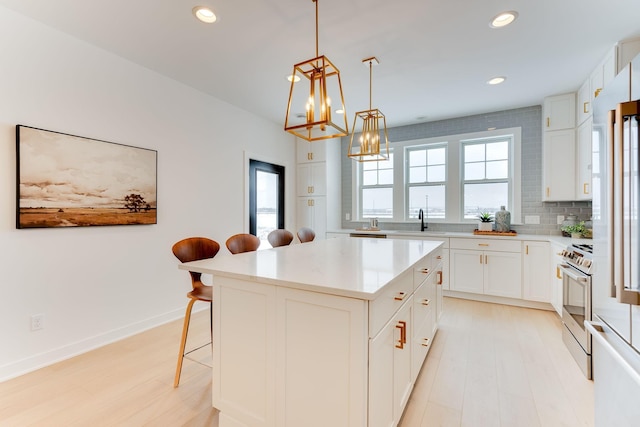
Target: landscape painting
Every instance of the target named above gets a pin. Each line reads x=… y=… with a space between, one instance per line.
x=71 y=181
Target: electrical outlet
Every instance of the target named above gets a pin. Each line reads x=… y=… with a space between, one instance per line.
x=37 y=322
x=560 y=219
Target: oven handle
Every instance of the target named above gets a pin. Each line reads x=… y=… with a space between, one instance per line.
x=571 y=273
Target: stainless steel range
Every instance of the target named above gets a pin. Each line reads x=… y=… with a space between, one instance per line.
x=576 y=303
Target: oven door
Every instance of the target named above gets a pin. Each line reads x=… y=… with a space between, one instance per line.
x=576 y=303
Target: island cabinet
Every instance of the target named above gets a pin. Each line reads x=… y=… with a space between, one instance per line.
x=486 y=266
x=328 y=333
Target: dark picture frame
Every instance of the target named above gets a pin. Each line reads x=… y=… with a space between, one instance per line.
x=66 y=180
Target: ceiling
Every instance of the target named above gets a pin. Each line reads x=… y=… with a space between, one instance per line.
x=435 y=56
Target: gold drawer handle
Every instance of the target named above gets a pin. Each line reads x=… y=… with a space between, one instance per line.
x=439 y=257
x=403 y=334
x=483 y=244
x=400 y=296
x=439 y=273
x=426 y=342
x=425 y=301
x=424 y=271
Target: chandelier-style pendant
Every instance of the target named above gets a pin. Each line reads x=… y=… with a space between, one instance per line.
x=373 y=143
x=316 y=104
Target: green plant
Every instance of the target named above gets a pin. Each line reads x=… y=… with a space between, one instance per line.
x=485 y=217
x=576 y=228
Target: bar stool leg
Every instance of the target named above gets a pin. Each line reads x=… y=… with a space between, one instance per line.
x=183 y=342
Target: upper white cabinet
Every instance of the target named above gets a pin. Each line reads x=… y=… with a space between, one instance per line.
x=559 y=165
x=310 y=151
x=583 y=105
x=559 y=112
x=312 y=179
x=583 y=170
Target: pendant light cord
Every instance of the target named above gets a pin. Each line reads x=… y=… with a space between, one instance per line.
x=370 y=82
x=316 y=2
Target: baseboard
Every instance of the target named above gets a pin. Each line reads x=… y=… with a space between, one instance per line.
x=499 y=300
x=41 y=360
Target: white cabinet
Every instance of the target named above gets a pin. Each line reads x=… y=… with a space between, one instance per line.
x=559 y=112
x=310 y=151
x=535 y=268
x=495 y=269
x=559 y=173
x=556 y=277
x=312 y=213
x=312 y=179
x=583 y=104
x=583 y=172
x=318 y=186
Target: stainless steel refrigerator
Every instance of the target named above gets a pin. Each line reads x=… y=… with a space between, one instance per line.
x=615 y=327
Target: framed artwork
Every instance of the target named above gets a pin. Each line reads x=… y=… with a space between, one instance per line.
x=71 y=181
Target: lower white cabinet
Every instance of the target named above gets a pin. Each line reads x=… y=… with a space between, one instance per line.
x=496 y=270
x=556 y=277
x=535 y=266
x=293 y=357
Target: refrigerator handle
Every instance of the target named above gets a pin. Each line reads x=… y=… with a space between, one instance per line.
x=624 y=111
x=610 y=192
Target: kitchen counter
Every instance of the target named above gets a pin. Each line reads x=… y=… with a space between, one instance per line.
x=357 y=268
x=292 y=322
x=558 y=239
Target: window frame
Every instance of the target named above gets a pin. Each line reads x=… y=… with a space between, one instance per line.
x=454 y=202
x=361 y=186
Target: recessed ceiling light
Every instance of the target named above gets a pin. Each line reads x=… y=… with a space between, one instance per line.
x=296 y=79
x=503 y=19
x=496 y=80
x=204 y=14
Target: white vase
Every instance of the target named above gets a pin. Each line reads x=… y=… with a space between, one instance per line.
x=485 y=226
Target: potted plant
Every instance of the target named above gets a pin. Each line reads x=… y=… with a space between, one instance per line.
x=485 y=221
x=576 y=230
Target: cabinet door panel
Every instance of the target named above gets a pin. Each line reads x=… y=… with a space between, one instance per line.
x=536 y=278
x=503 y=274
x=559 y=165
x=583 y=181
x=559 y=112
x=402 y=380
x=466 y=270
x=381 y=378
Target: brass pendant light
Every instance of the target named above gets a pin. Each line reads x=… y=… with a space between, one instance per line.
x=316 y=90
x=370 y=147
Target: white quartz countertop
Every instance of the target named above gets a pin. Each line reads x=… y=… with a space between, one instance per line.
x=557 y=239
x=357 y=268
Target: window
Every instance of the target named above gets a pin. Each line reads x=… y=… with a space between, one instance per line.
x=486 y=177
x=376 y=196
x=266 y=199
x=426 y=180
x=451 y=178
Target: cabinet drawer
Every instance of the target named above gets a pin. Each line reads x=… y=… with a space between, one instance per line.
x=395 y=294
x=487 y=244
x=421 y=271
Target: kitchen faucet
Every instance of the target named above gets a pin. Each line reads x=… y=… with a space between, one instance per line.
x=421 y=218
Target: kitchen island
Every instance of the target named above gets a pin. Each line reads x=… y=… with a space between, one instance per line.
x=327 y=333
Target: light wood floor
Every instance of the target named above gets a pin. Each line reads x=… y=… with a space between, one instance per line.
x=490 y=365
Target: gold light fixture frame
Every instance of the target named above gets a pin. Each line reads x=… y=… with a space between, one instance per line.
x=370 y=148
x=321 y=79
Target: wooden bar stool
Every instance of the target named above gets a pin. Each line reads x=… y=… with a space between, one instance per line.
x=186 y=250
x=305 y=234
x=280 y=238
x=239 y=243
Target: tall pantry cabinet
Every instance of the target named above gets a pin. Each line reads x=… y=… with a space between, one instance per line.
x=318 y=185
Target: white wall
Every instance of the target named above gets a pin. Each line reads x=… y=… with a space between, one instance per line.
x=98 y=284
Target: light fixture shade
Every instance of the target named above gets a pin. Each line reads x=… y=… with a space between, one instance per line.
x=316 y=110
x=373 y=142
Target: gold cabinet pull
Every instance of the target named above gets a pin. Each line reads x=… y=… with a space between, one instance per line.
x=425 y=342
x=585 y=188
x=548 y=191
x=424 y=271
x=558 y=275
x=402 y=325
x=548 y=121
x=312 y=189
x=480 y=258
x=526 y=250
x=439 y=257
x=439 y=274
x=486 y=259
x=597 y=92
x=400 y=296
x=483 y=244
x=425 y=301
x=584 y=107
x=309 y=156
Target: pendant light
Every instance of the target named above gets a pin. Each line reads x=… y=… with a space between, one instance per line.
x=370 y=147
x=316 y=105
